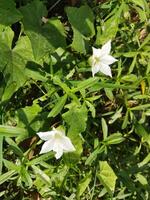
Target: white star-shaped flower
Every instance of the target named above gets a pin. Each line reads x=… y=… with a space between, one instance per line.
x=56 y=141
x=100 y=60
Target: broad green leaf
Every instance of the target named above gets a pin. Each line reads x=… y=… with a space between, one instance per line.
x=14 y=61
x=8 y=12
x=10 y=131
x=30 y=118
x=83 y=184
x=58 y=107
x=35 y=73
x=74 y=157
x=6 y=176
x=82 y=22
x=107 y=176
x=76 y=117
x=44 y=37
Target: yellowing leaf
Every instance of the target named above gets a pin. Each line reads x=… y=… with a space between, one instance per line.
x=107 y=176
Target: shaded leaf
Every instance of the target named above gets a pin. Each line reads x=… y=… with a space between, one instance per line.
x=44 y=37
x=8 y=12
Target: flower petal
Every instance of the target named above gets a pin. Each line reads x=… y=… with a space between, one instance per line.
x=46 y=135
x=47 y=146
x=108 y=60
x=106 y=47
x=96 y=52
x=105 y=69
x=95 y=69
x=67 y=144
x=57 y=147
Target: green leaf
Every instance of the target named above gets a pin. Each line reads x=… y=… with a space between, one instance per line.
x=11 y=166
x=30 y=118
x=91 y=108
x=41 y=174
x=141 y=179
x=14 y=147
x=14 y=61
x=1 y=153
x=8 y=12
x=110 y=27
x=107 y=176
x=25 y=177
x=6 y=176
x=144 y=161
x=104 y=128
x=76 y=117
x=58 y=107
x=85 y=84
x=10 y=131
x=94 y=154
x=44 y=37
x=142 y=3
x=114 y=138
x=142 y=132
x=82 y=22
x=38 y=160
x=83 y=184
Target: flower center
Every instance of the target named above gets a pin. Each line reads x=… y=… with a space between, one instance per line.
x=96 y=59
x=58 y=135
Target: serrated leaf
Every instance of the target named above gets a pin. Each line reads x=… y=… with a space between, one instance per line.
x=107 y=176
x=44 y=37
x=8 y=12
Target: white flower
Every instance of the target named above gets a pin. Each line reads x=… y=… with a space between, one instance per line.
x=100 y=60
x=56 y=141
